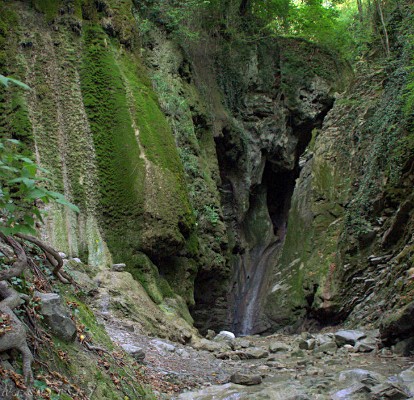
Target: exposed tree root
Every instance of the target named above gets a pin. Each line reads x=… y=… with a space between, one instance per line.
x=15 y=338
x=18 y=266
x=52 y=255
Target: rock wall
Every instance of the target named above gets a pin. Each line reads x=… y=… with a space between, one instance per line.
x=93 y=121
x=214 y=167
x=347 y=253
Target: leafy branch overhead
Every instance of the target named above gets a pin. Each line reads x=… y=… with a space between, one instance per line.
x=21 y=190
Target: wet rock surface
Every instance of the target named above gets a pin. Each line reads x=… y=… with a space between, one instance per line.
x=301 y=367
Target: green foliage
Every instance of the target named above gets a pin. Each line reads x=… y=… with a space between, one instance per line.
x=6 y=81
x=21 y=190
x=108 y=113
x=49 y=7
x=212 y=215
x=183 y=17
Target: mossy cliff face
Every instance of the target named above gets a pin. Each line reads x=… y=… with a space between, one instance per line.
x=275 y=93
x=184 y=160
x=223 y=139
x=93 y=120
x=348 y=251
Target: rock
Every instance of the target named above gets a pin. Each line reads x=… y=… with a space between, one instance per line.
x=210 y=334
x=398 y=325
x=326 y=338
x=375 y=260
x=256 y=353
x=118 y=267
x=398 y=223
x=366 y=345
x=269 y=391
x=349 y=347
x=135 y=351
x=62 y=255
x=404 y=347
x=163 y=346
x=240 y=343
x=348 y=337
x=390 y=391
x=308 y=344
x=224 y=336
x=56 y=316
x=209 y=345
x=263 y=369
x=359 y=375
x=183 y=353
x=351 y=392
x=328 y=347
x=278 y=347
x=88 y=285
x=406 y=377
x=245 y=379
x=77 y=260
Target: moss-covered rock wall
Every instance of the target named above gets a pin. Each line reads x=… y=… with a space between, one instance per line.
x=94 y=122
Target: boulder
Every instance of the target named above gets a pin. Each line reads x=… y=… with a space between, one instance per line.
x=351 y=392
x=134 y=351
x=358 y=375
x=256 y=353
x=389 y=390
x=348 y=337
x=88 y=285
x=163 y=347
x=278 y=347
x=224 y=336
x=56 y=316
x=366 y=345
x=209 y=345
x=404 y=347
x=308 y=344
x=328 y=347
x=245 y=379
x=240 y=343
x=406 y=377
x=118 y=267
x=399 y=325
x=210 y=334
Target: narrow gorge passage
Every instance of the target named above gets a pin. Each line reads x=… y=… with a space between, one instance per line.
x=262 y=229
x=265 y=225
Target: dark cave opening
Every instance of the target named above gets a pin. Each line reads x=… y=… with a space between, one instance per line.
x=280 y=185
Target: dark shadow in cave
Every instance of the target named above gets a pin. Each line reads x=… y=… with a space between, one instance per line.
x=280 y=185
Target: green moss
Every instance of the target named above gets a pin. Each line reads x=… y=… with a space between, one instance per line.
x=143 y=270
x=48 y=7
x=120 y=168
x=86 y=317
x=14 y=117
x=86 y=370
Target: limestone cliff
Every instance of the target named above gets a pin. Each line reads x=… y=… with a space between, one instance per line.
x=231 y=174
x=347 y=254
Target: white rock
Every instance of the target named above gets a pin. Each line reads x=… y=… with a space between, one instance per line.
x=229 y=335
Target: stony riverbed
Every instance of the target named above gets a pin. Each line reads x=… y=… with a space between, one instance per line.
x=336 y=364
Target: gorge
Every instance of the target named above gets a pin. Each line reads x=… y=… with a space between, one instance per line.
x=250 y=182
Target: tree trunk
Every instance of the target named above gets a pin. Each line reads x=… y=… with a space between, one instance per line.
x=360 y=11
x=244 y=6
x=386 y=40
